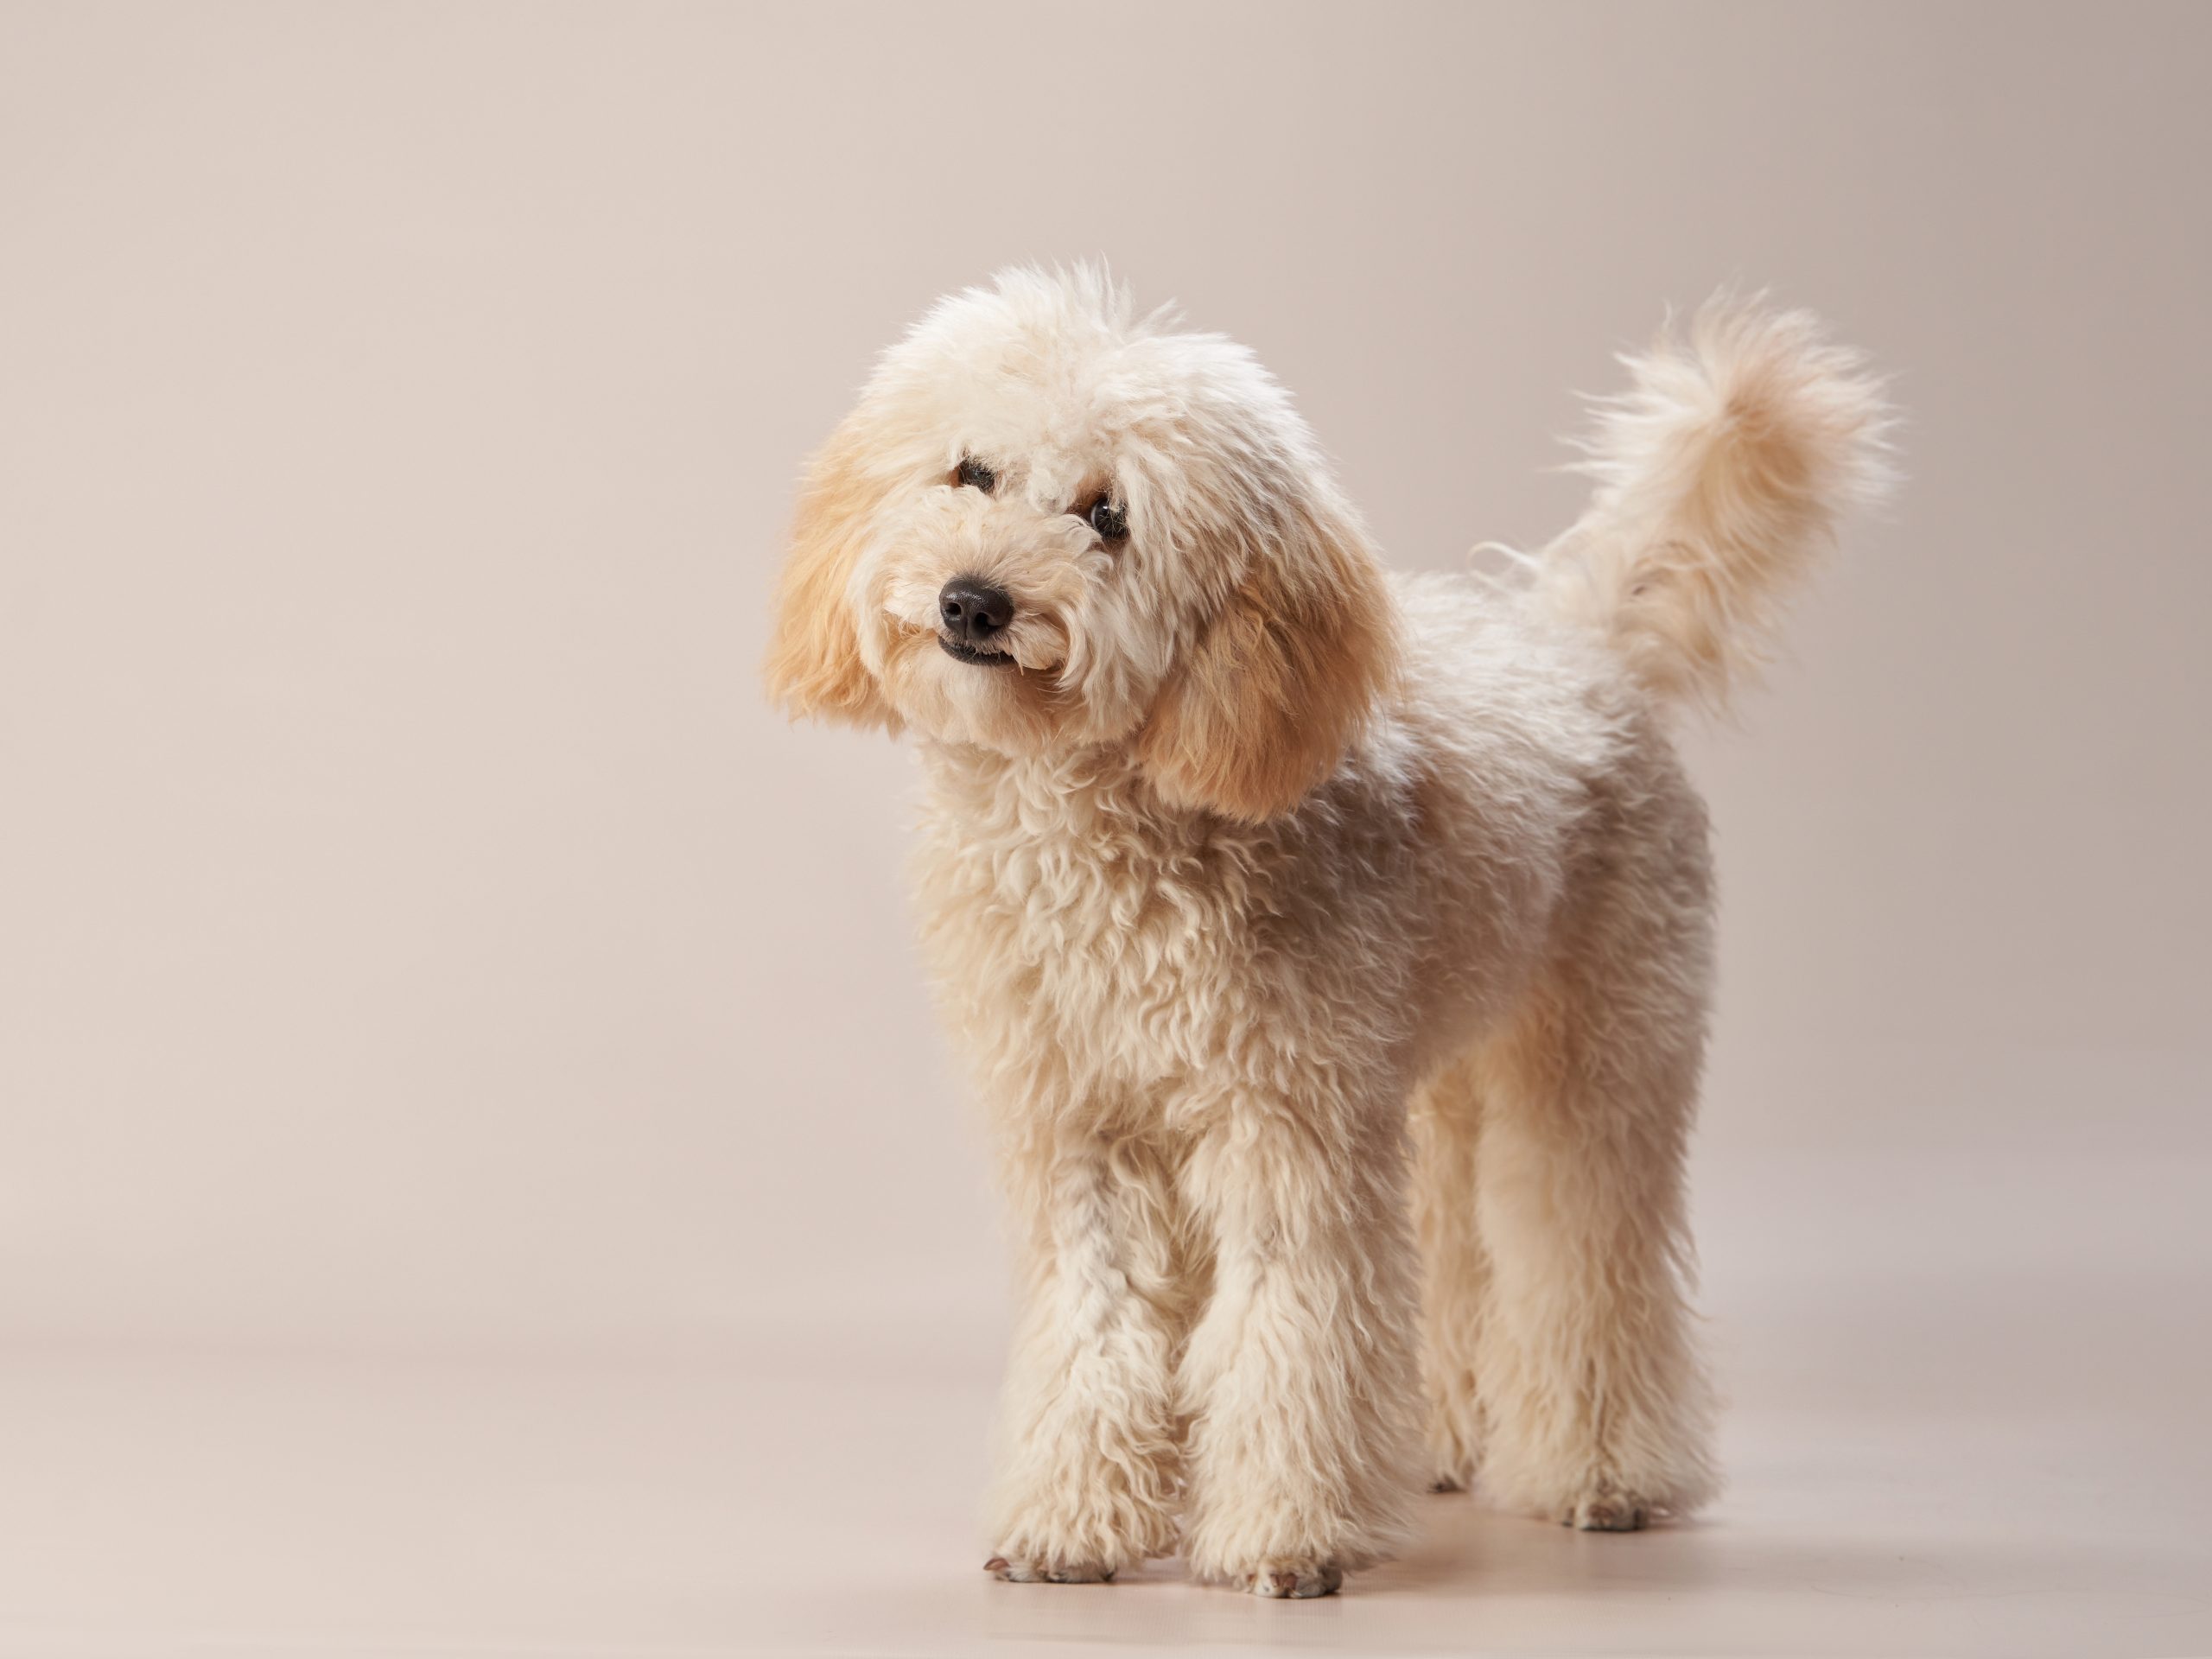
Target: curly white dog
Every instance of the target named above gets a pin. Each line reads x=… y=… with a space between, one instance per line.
x=1242 y=858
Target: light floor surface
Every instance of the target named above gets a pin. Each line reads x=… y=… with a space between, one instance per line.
x=1970 y=1417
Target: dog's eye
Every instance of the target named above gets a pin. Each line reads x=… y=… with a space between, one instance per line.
x=1109 y=520
x=977 y=476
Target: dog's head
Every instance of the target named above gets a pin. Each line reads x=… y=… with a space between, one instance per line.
x=1051 y=525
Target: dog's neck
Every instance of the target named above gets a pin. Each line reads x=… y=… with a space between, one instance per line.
x=1095 y=802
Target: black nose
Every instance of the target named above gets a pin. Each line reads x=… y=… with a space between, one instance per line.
x=975 y=612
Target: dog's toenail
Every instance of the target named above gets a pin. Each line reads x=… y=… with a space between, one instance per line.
x=996 y=1564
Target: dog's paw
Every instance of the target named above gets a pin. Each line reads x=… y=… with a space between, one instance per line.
x=1294 y=1580
x=1020 y=1571
x=1607 y=1512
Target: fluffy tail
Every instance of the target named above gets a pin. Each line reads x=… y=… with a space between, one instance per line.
x=1721 y=475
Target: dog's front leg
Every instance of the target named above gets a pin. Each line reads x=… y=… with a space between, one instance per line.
x=1088 y=1459
x=1299 y=1379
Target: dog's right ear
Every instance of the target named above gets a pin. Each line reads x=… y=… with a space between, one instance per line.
x=813 y=664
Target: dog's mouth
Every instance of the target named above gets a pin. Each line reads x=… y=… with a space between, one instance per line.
x=954 y=649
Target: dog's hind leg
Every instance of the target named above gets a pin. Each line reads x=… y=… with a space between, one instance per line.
x=1447 y=1122
x=1595 y=1408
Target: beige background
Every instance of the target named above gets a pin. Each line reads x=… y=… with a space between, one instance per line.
x=420 y=951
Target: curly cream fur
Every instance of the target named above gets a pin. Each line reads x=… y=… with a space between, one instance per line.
x=1257 y=857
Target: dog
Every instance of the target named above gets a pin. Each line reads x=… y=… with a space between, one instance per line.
x=1333 y=948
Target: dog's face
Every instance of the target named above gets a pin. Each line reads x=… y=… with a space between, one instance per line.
x=1051 y=525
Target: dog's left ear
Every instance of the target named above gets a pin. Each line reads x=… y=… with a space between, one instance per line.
x=1260 y=710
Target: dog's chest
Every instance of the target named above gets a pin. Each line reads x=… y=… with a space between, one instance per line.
x=1115 y=948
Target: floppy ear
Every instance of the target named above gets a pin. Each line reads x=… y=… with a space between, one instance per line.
x=1261 y=708
x=813 y=664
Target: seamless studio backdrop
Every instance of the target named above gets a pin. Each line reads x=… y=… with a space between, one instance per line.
x=480 y=1166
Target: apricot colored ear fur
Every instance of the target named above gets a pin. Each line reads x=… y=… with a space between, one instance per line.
x=813 y=664
x=1260 y=710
